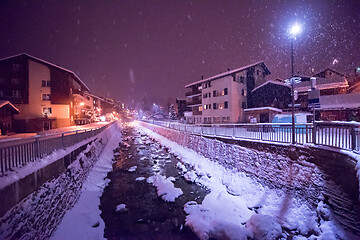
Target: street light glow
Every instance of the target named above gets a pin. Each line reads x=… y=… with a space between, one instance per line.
x=295 y=29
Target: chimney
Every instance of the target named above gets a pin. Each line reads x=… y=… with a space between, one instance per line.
x=202 y=77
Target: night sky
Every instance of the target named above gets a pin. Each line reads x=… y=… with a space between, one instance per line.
x=130 y=50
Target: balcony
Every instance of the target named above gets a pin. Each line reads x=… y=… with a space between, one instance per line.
x=194 y=103
x=193 y=93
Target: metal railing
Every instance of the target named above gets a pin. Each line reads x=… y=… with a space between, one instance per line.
x=339 y=135
x=17 y=153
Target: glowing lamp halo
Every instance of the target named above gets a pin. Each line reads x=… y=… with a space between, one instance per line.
x=295 y=29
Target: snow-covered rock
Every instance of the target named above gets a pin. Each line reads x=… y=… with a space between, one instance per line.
x=165 y=187
x=121 y=207
x=140 y=179
x=132 y=169
x=190 y=176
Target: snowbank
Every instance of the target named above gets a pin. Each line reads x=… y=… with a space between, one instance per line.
x=83 y=221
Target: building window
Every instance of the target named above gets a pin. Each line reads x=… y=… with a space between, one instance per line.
x=215 y=106
x=45 y=97
x=225 y=91
x=47 y=110
x=16 y=93
x=214 y=93
x=15 y=81
x=205 y=107
x=16 y=67
x=200 y=108
x=243 y=104
x=225 y=119
x=258 y=72
x=240 y=79
x=206 y=85
x=226 y=104
x=216 y=119
x=243 y=92
x=2 y=93
x=45 y=83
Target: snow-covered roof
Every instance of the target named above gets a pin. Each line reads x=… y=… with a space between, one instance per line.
x=341 y=101
x=263 y=108
x=323 y=83
x=5 y=102
x=272 y=82
x=224 y=74
x=328 y=69
x=50 y=64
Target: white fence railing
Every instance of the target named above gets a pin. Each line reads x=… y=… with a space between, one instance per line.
x=18 y=153
x=339 y=135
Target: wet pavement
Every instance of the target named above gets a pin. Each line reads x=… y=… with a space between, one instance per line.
x=146 y=215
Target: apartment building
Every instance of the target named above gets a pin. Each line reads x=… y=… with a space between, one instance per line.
x=43 y=92
x=222 y=98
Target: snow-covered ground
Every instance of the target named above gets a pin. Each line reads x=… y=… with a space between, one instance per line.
x=238 y=206
x=83 y=221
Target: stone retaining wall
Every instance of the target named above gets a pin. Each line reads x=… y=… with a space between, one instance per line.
x=310 y=173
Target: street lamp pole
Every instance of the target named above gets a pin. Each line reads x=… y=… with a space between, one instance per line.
x=292 y=93
x=294 y=30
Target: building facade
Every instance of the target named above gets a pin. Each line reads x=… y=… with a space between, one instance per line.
x=43 y=92
x=222 y=98
x=269 y=99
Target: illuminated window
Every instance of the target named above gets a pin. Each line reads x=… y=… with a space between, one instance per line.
x=47 y=110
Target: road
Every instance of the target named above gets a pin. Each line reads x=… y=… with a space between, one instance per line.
x=146 y=215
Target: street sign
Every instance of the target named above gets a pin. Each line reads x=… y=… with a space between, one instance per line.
x=314 y=95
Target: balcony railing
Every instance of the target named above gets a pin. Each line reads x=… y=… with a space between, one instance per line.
x=194 y=102
x=193 y=93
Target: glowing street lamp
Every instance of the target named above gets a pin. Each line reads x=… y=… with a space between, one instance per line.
x=295 y=30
